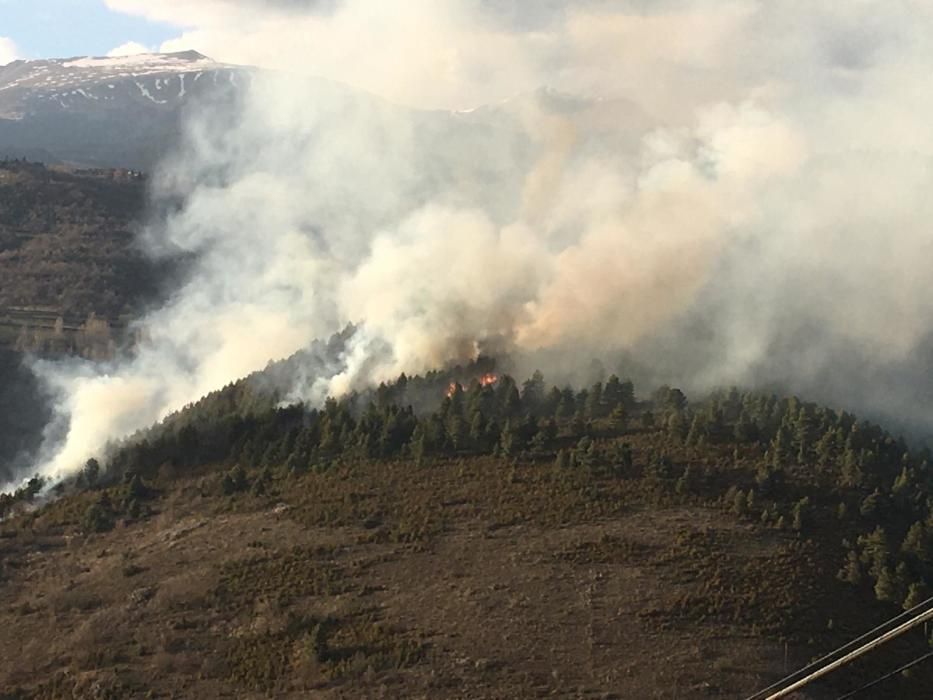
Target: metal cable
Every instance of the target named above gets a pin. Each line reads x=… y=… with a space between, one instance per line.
x=915 y=662
x=852 y=655
x=845 y=647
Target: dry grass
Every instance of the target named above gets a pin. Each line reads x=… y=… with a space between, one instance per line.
x=471 y=578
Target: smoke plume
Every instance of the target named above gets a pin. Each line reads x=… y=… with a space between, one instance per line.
x=727 y=192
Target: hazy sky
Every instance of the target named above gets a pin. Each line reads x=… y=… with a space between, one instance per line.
x=427 y=53
x=59 y=28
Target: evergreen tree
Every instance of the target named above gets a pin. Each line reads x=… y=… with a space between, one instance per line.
x=563 y=460
x=917 y=592
x=478 y=432
x=805 y=435
x=800 y=513
x=697 y=432
x=91 y=472
x=739 y=503
x=781 y=449
x=532 y=396
x=686 y=484
x=746 y=430
x=851 y=475
x=585 y=452
x=418 y=445
x=567 y=407
x=851 y=571
x=617 y=419
x=677 y=427
x=918 y=544
x=613 y=394
x=886 y=585
x=875 y=553
x=510 y=440
x=594 y=402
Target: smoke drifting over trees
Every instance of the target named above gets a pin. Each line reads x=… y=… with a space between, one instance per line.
x=737 y=194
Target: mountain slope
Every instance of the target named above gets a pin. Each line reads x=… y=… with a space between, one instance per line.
x=493 y=543
x=117 y=112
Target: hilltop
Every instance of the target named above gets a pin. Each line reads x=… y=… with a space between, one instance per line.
x=502 y=540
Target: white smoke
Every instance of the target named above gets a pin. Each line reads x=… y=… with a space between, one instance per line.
x=8 y=51
x=740 y=198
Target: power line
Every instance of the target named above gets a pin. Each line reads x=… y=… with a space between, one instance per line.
x=845 y=647
x=852 y=655
x=915 y=662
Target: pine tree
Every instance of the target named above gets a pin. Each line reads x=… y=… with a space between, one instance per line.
x=478 y=431
x=851 y=571
x=804 y=435
x=91 y=472
x=563 y=460
x=697 y=431
x=594 y=401
x=851 y=475
x=875 y=553
x=613 y=395
x=918 y=544
x=647 y=420
x=886 y=588
x=418 y=445
x=686 y=483
x=917 y=592
x=585 y=452
x=871 y=504
x=781 y=449
x=533 y=392
x=538 y=445
x=746 y=430
x=800 y=514
x=567 y=407
x=827 y=447
x=509 y=440
x=739 y=503
x=677 y=427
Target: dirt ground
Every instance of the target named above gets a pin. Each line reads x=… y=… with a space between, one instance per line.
x=213 y=597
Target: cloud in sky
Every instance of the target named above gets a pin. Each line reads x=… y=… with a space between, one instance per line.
x=8 y=51
x=130 y=48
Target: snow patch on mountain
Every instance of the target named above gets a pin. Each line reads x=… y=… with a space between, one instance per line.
x=142 y=63
x=165 y=80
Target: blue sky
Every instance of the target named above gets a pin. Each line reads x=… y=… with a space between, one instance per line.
x=61 y=28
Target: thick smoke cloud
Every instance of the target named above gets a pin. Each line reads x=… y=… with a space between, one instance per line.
x=738 y=194
x=452 y=54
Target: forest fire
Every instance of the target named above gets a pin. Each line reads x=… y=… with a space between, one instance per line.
x=488 y=379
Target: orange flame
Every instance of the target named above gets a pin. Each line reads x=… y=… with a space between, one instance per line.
x=487 y=379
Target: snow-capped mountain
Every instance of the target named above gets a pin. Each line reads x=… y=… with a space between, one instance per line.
x=105 y=111
x=128 y=111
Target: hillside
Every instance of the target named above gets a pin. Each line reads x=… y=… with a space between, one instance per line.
x=67 y=250
x=105 y=112
x=503 y=540
x=71 y=277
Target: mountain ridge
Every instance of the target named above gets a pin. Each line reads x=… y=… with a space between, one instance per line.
x=106 y=111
